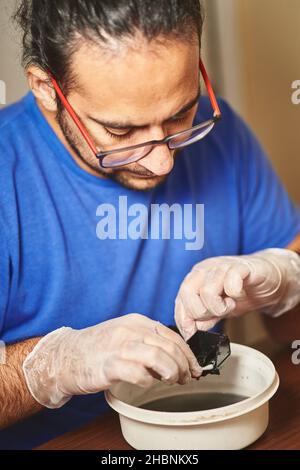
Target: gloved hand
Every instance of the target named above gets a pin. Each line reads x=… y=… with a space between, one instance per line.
x=228 y=286
x=131 y=348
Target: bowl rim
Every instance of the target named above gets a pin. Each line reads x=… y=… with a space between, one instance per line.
x=201 y=417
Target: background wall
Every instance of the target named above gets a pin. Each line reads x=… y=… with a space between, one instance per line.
x=11 y=71
x=252 y=49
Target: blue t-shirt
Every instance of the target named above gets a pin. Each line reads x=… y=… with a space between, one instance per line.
x=56 y=267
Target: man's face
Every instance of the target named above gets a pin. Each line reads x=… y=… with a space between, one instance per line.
x=131 y=96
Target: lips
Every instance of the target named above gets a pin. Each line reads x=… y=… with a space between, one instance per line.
x=139 y=175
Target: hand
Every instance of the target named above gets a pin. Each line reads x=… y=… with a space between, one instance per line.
x=230 y=286
x=131 y=348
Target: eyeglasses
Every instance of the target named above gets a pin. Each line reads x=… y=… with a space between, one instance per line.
x=123 y=156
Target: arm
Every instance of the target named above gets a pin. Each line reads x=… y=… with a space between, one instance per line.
x=68 y=362
x=16 y=401
x=260 y=279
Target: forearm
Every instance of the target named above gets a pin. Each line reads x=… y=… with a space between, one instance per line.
x=15 y=398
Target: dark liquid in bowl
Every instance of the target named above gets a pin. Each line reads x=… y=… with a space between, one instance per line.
x=193 y=402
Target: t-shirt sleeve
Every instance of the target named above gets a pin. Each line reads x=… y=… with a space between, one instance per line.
x=268 y=216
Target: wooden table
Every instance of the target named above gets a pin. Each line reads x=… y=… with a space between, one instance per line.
x=283 y=431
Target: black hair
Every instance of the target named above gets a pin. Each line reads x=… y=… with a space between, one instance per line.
x=51 y=28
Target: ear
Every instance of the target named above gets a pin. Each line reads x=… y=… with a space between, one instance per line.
x=39 y=83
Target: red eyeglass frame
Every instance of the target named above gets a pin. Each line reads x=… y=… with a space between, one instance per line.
x=213 y=100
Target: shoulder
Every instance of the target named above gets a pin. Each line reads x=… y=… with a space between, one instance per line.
x=231 y=136
x=13 y=115
x=231 y=123
x=9 y=113
x=14 y=121
x=229 y=150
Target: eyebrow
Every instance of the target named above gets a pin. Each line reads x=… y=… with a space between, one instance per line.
x=128 y=125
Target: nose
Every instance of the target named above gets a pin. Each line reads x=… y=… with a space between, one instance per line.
x=160 y=160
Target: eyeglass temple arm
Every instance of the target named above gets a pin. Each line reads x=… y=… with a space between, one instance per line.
x=74 y=116
x=210 y=91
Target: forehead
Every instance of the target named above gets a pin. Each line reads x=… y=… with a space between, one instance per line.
x=149 y=79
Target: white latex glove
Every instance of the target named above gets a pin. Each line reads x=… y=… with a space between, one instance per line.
x=227 y=286
x=131 y=348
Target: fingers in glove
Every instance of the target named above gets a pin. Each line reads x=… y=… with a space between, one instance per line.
x=185 y=323
x=207 y=324
x=165 y=349
x=128 y=371
x=152 y=356
x=189 y=294
x=235 y=279
x=212 y=293
x=184 y=352
x=161 y=330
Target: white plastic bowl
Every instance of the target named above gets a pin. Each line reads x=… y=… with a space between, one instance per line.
x=246 y=372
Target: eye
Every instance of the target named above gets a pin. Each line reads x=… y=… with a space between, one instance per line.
x=179 y=119
x=127 y=135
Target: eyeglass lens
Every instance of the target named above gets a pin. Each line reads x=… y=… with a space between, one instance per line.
x=124 y=157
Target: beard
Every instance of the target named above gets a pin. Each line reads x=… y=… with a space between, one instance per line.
x=132 y=176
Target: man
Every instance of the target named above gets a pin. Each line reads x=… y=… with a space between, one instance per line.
x=106 y=76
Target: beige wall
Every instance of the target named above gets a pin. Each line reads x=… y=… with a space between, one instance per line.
x=11 y=71
x=253 y=52
x=256 y=54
